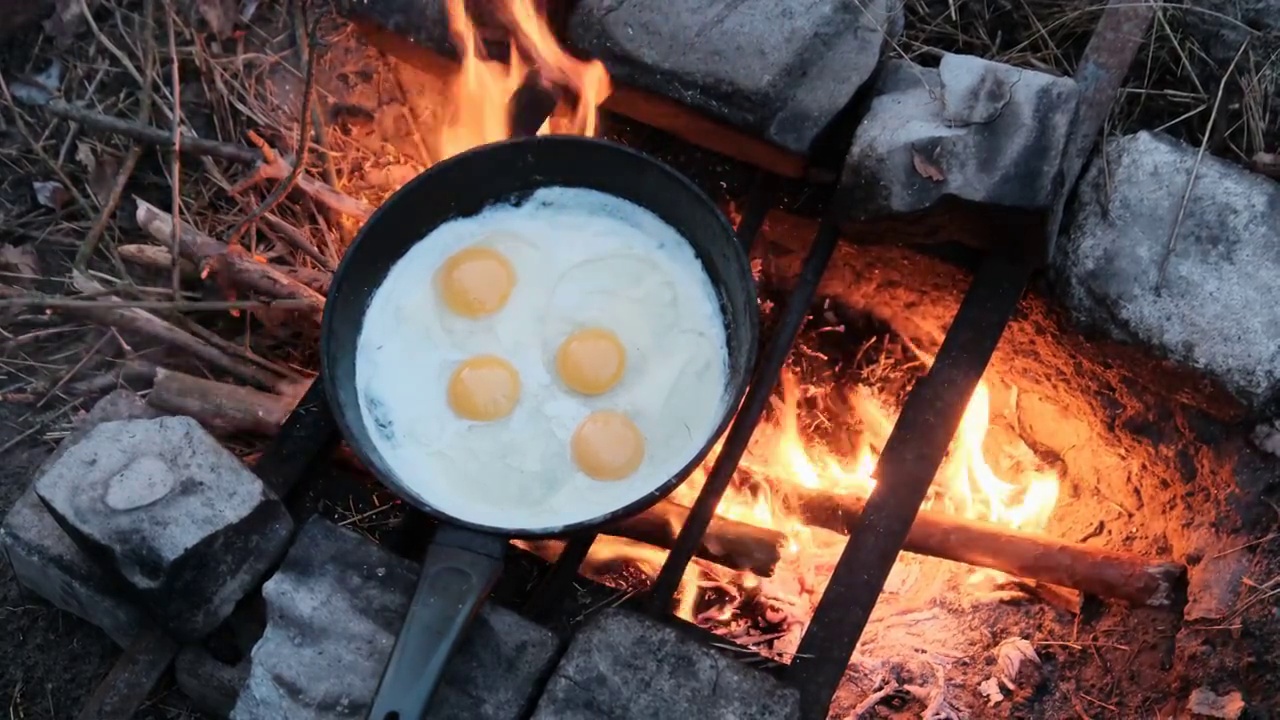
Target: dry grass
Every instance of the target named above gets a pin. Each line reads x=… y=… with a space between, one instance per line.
x=1172 y=85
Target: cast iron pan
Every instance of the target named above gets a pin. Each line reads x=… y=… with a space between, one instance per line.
x=465 y=559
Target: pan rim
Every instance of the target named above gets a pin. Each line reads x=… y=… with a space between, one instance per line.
x=734 y=390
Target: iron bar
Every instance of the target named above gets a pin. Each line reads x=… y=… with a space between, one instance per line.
x=911 y=457
x=756 y=208
x=308 y=433
x=546 y=596
x=763 y=381
x=1114 y=44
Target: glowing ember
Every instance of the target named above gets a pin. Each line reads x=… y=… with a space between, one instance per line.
x=783 y=457
x=480 y=92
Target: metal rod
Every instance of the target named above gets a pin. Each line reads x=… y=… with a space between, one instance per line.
x=756 y=208
x=763 y=382
x=309 y=433
x=1115 y=42
x=912 y=454
x=544 y=599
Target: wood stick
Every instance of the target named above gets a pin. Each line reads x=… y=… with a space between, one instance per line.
x=1091 y=570
x=276 y=168
x=154 y=256
x=160 y=137
x=220 y=407
x=144 y=323
x=234 y=260
x=131 y=679
x=227 y=408
x=730 y=543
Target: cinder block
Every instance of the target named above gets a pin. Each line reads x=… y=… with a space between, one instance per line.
x=180 y=519
x=48 y=563
x=335 y=607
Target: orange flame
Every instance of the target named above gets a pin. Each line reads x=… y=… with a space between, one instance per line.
x=782 y=455
x=480 y=92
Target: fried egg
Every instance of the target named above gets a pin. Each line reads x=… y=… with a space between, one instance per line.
x=543 y=364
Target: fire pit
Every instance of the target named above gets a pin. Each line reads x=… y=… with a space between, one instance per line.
x=937 y=497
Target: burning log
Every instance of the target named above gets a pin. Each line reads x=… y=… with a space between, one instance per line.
x=730 y=543
x=1094 y=571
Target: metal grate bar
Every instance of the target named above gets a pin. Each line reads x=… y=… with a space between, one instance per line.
x=544 y=599
x=911 y=457
x=763 y=382
x=756 y=208
x=309 y=432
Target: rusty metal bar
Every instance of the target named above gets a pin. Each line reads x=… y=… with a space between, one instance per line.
x=935 y=405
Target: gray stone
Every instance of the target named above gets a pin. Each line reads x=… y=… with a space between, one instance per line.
x=1215 y=583
x=180 y=519
x=623 y=666
x=211 y=685
x=1216 y=307
x=780 y=71
x=48 y=563
x=971 y=128
x=334 y=609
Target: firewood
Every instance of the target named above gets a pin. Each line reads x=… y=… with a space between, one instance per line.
x=154 y=256
x=220 y=407
x=1091 y=570
x=112 y=312
x=240 y=267
x=730 y=543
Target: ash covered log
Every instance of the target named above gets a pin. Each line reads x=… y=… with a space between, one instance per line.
x=1094 y=571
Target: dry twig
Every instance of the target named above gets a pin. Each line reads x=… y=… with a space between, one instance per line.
x=131 y=159
x=304 y=137
x=151 y=135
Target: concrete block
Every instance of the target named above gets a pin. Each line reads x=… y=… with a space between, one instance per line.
x=334 y=609
x=624 y=666
x=48 y=563
x=971 y=128
x=187 y=526
x=1215 y=307
x=779 y=71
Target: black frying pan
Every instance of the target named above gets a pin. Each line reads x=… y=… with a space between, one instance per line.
x=465 y=559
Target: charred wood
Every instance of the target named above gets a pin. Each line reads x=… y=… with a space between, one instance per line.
x=1091 y=570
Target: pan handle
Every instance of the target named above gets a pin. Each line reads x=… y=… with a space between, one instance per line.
x=460 y=568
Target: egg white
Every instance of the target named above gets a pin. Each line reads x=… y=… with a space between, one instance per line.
x=581 y=258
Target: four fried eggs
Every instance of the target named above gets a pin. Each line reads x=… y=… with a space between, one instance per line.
x=574 y=344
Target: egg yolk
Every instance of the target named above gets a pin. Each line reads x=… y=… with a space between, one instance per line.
x=484 y=388
x=591 y=361
x=476 y=281
x=607 y=445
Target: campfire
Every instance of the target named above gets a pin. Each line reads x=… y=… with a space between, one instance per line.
x=1091 y=539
